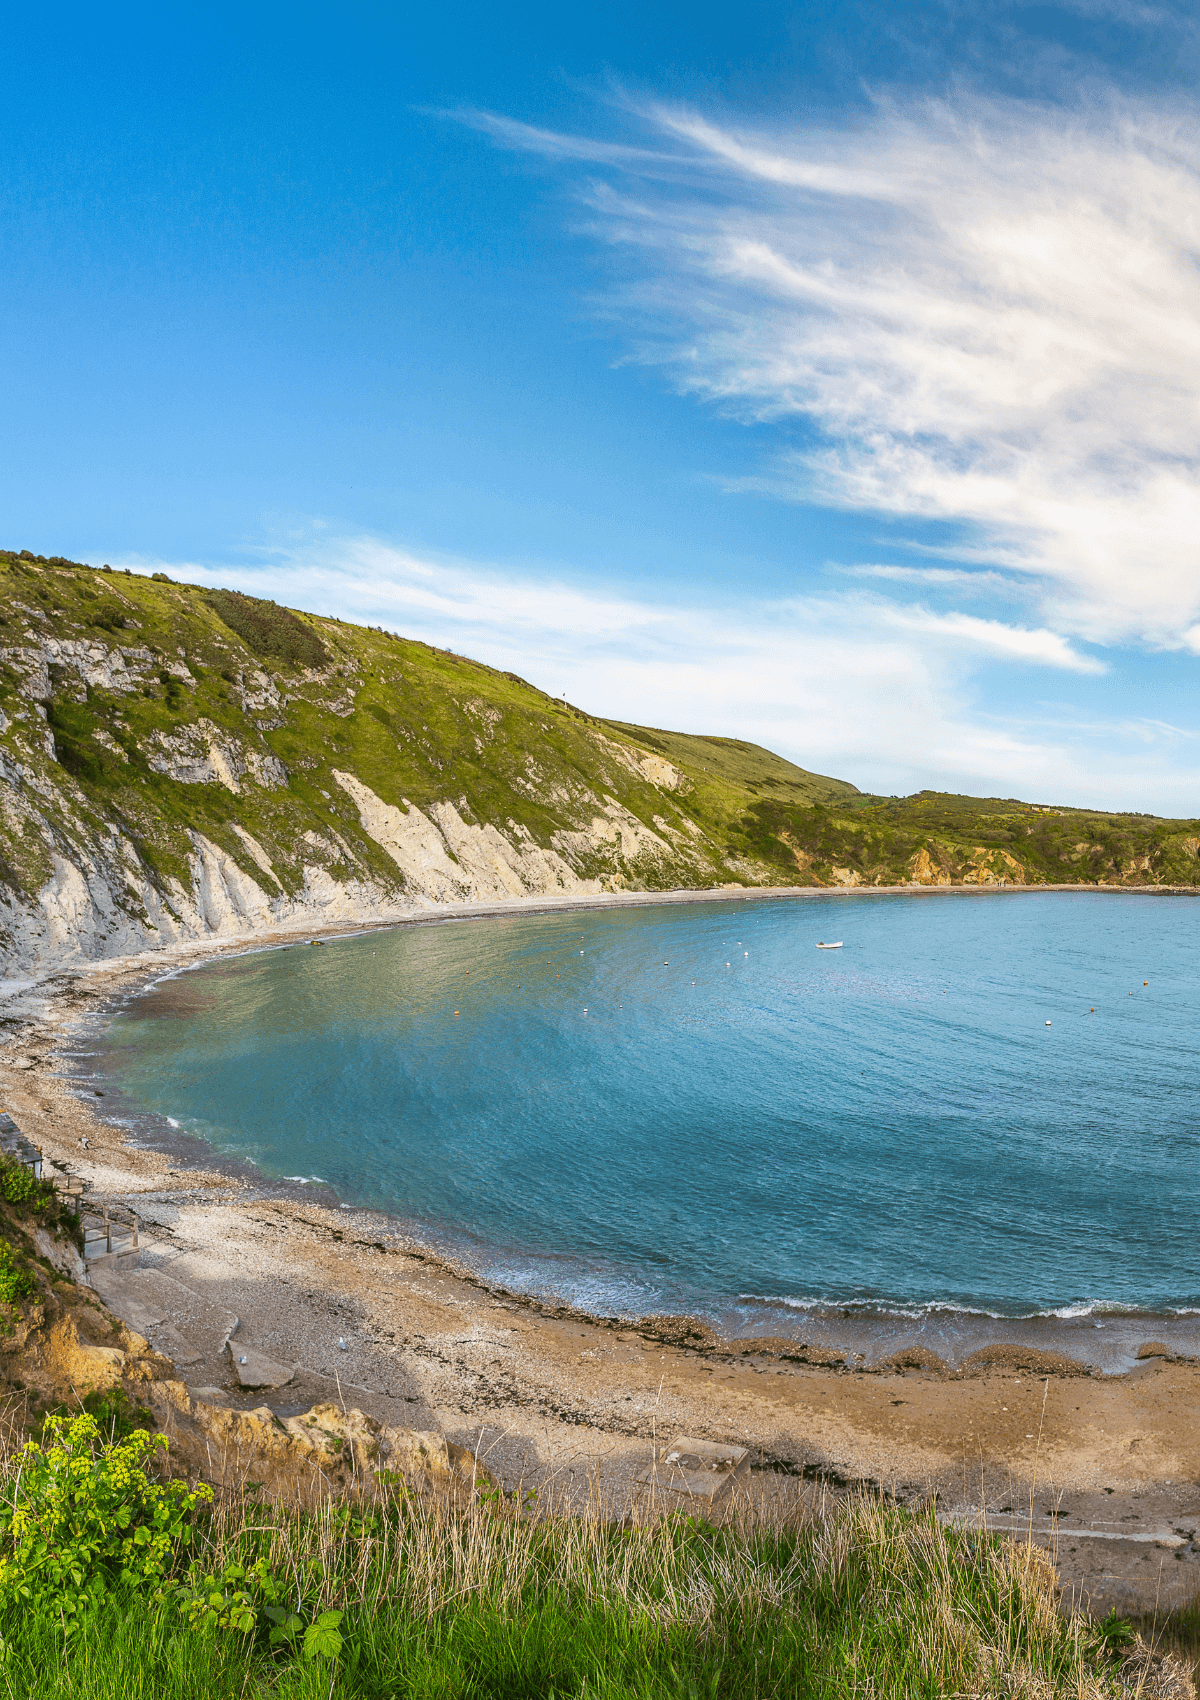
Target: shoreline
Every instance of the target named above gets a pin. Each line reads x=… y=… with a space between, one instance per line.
x=273 y=938
x=547 y=1394
x=831 y=1331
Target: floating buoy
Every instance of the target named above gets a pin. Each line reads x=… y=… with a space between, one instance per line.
x=1092 y=1011
x=1047 y=1024
x=1145 y=982
x=745 y=953
x=456 y=1012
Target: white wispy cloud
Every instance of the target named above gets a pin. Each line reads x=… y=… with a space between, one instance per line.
x=939 y=578
x=988 y=313
x=993 y=637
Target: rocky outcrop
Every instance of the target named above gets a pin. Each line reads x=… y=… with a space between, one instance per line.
x=65 y=1344
x=657 y=770
x=84 y=662
x=993 y=867
x=442 y=858
x=923 y=870
x=200 y=754
x=303 y=1460
x=985 y=867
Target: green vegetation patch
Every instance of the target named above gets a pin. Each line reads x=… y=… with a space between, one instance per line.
x=83 y=1517
x=33 y=1199
x=268 y=631
x=16 y=1280
x=116 y=1581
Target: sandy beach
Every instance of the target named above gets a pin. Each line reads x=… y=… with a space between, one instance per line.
x=1103 y=1466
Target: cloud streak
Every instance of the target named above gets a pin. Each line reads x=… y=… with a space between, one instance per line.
x=984 y=313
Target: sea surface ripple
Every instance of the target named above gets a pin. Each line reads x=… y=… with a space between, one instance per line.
x=977 y=1106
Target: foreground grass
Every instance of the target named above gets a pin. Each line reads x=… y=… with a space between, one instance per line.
x=439 y=1603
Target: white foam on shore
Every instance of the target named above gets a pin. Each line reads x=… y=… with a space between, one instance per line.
x=865 y=1309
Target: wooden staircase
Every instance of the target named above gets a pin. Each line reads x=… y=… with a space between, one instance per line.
x=111 y=1232
x=111 y=1238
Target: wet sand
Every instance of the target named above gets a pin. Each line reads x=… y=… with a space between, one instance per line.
x=1108 y=1464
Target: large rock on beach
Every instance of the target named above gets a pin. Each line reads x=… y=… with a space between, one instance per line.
x=256 y=1369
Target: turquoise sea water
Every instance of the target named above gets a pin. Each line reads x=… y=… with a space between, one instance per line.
x=691 y=1107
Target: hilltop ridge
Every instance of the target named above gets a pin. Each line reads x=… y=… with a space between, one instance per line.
x=182 y=761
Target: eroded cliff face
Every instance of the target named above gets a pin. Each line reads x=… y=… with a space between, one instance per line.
x=177 y=788
x=179 y=764
x=103 y=898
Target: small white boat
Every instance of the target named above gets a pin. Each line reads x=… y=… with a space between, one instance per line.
x=836 y=946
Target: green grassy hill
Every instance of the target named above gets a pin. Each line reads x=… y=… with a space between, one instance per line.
x=180 y=761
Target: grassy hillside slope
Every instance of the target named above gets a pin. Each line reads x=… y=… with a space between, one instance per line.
x=181 y=760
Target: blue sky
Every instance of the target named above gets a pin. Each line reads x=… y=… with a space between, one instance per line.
x=824 y=375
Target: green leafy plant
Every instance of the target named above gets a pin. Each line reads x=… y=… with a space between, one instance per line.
x=287 y=1624
x=1115 y=1632
x=39 y=1199
x=16 y=1282
x=20 y=1188
x=231 y=1598
x=84 y=1518
x=235 y=1598
x=322 y=1639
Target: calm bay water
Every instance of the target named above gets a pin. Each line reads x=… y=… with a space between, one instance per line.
x=691 y=1107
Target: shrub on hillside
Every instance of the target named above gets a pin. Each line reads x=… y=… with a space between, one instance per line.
x=16 y=1282
x=39 y=1199
x=83 y=1518
x=21 y=1188
x=267 y=630
x=108 y=619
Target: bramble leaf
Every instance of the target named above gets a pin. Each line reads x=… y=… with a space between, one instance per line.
x=321 y=1639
